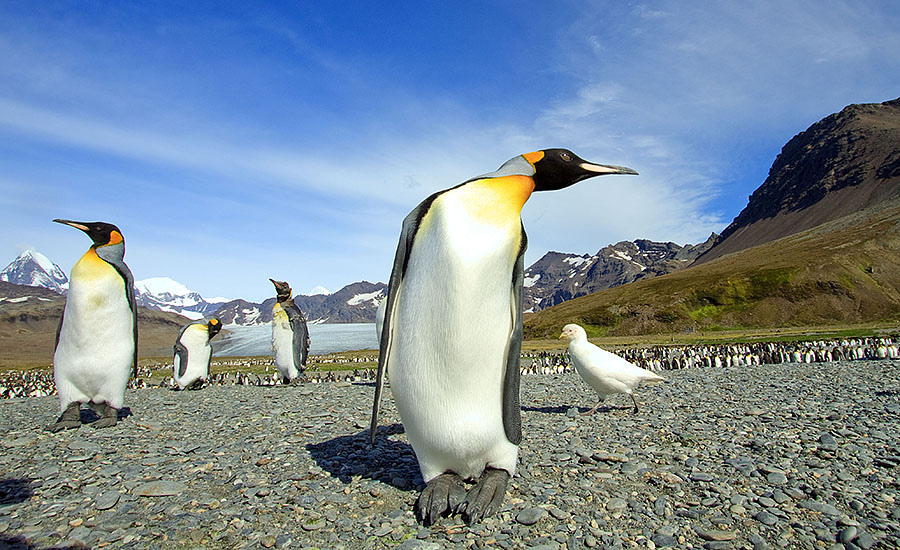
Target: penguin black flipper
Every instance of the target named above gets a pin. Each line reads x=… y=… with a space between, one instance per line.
x=181 y=353
x=401 y=258
x=512 y=412
x=301 y=334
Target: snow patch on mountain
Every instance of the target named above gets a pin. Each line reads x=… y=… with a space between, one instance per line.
x=34 y=269
x=360 y=298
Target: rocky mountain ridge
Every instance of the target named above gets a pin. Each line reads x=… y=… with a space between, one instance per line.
x=844 y=163
x=355 y=303
x=558 y=277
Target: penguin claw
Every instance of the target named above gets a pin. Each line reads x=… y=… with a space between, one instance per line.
x=63 y=425
x=110 y=418
x=70 y=418
x=443 y=495
x=486 y=497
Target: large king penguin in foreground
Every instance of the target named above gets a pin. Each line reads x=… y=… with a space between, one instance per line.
x=290 y=336
x=452 y=330
x=193 y=353
x=96 y=345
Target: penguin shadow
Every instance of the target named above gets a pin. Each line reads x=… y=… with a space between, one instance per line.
x=388 y=461
x=559 y=409
x=88 y=415
x=563 y=409
x=15 y=542
x=15 y=490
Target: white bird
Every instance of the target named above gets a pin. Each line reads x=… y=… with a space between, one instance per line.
x=606 y=372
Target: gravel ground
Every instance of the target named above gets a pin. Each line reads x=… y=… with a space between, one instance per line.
x=771 y=456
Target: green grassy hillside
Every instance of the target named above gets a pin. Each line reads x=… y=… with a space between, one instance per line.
x=844 y=272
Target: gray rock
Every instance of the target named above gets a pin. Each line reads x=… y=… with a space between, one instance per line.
x=159 y=489
x=530 y=516
x=107 y=500
x=765 y=518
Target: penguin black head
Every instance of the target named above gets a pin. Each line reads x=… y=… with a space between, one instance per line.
x=559 y=168
x=282 y=290
x=213 y=326
x=101 y=233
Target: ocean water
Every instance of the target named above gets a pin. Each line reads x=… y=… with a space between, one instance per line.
x=257 y=340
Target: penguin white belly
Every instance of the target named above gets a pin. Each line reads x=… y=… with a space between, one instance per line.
x=283 y=343
x=451 y=329
x=94 y=357
x=196 y=340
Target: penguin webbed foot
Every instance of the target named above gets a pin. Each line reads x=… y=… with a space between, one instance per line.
x=442 y=496
x=108 y=419
x=69 y=419
x=486 y=497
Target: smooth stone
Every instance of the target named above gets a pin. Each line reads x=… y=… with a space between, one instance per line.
x=776 y=478
x=616 y=505
x=765 y=518
x=107 y=500
x=158 y=489
x=664 y=541
x=818 y=506
x=530 y=516
x=848 y=534
x=416 y=544
x=714 y=534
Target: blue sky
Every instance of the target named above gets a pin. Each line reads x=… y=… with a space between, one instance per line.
x=237 y=141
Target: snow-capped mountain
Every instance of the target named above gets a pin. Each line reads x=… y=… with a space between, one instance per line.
x=558 y=277
x=165 y=294
x=355 y=303
x=34 y=269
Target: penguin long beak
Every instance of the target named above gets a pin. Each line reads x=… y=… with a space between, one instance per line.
x=601 y=169
x=76 y=225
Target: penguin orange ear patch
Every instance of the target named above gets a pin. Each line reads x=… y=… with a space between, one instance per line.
x=534 y=157
x=115 y=237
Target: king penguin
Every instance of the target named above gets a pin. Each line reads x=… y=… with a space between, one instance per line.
x=290 y=337
x=96 y=343
x=193 y=353
x=452 y=330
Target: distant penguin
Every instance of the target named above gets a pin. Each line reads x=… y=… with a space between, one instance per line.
x=96 y=343
x=193 y=353
x=290 y=336
x=452 y=330
x=605 y=372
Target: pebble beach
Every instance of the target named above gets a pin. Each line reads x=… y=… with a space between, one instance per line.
x=761 y=456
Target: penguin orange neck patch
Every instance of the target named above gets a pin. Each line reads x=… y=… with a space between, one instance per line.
x=497 y=200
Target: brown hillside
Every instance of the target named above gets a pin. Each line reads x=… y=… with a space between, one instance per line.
x=844 y=163
x=28 y=328
x=844 y=271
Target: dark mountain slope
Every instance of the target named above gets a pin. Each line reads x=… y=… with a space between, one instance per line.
x=842 y=164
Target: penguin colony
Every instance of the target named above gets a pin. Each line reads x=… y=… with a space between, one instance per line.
x=19 y=384
x=452 y=330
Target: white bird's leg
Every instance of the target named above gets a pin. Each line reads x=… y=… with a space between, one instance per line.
x=443 y=494
x=485 y=498
x=633 y=400
x=597 y=406
x=70 y=418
